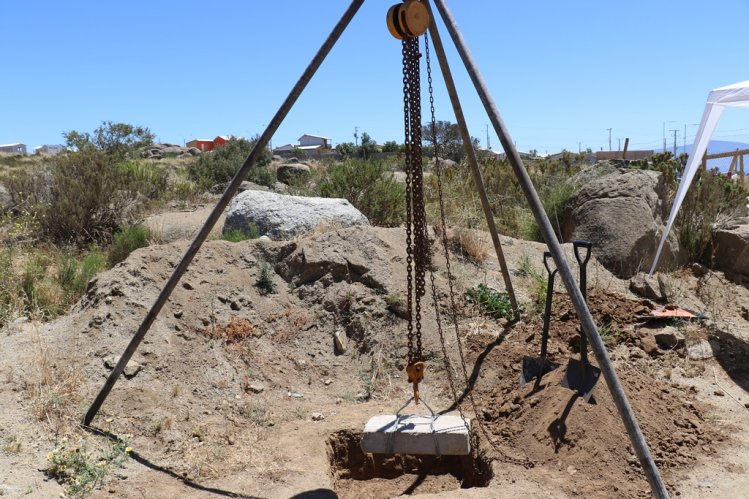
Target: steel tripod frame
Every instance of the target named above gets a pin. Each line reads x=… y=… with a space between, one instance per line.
x=625 y=410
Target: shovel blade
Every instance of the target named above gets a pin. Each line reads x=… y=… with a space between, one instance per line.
x=535 y=368
x=581 y=377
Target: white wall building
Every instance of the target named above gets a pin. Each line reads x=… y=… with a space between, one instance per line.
x=317 y=141
x=13 y=148
x=49 y=149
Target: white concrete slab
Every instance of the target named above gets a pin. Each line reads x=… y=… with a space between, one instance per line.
x=415 y=434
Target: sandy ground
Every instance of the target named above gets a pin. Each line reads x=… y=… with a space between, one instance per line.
x=239 y=394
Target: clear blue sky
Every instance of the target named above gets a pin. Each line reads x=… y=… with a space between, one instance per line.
x=561 y=73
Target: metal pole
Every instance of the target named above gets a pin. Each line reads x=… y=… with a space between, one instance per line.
x=620 y=398
x=472 y=160
x=296 y=91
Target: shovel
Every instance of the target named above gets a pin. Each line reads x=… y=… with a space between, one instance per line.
x=536 y=367
x=581 y=376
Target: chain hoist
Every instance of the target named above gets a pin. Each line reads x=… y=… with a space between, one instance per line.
x=407 y=21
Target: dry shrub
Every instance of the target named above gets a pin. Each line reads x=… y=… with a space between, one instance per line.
x=235 y=331
x=295 y=321
x=471 y=244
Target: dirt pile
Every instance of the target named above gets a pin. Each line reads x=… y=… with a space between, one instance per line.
x=240 y=391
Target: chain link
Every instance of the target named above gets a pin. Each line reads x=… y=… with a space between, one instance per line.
x=417 y=242
x=406 y=52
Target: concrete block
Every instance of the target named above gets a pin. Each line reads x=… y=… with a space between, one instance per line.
x=415 y=434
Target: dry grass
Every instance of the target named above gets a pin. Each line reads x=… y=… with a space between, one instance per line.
x=54 y=391
x=471 y=244
x=291 y=322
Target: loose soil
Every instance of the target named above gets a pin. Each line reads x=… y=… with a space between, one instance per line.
x=243 y=394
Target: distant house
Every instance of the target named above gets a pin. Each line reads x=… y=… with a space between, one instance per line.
x=204 y=145
x=285 y=148
x=310 y=144
x=221 y=140
x=13 y=148
x=314 y=142
x=49 y=149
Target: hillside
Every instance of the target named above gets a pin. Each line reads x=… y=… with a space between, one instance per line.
x=243 y=394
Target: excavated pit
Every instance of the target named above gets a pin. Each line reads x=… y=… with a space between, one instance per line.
x=379 y=475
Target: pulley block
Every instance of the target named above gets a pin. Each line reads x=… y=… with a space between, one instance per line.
x=408 y=19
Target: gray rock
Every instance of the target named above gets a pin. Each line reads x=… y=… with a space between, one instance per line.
x=317 y=416
x=702 y=349
x=131 y=369
x=669 y=338
x=346 y=255
x=622 y=213
x=256 y=387
x=731 y=247
x=646 y=286
x=292 y=172
x=339 y=339
x=280 y=187
x=246 y=185
x=444 y=163
x=699 y=270
x=284 y=217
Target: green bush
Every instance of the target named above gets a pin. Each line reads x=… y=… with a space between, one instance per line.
x=221 y=164
x=144 y=178
x=709 y=198
x=127 y=240
x=74 y=276
x=369 y=186
x=264 y=282
x=237 y=235
x=492 y=303
x=555 y=191
x=82 y=197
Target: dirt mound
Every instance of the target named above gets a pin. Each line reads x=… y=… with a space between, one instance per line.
x=240 y=391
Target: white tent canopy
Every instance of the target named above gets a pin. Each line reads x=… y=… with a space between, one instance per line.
x=736 y=95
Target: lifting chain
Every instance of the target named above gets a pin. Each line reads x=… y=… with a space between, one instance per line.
x=417 y=242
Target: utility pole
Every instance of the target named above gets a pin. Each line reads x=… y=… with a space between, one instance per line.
x=356 y=135
x=488 y=145
x=609 y=129
x=579 y=147
x=619 y=148
x=664 y=136
x=675 y=130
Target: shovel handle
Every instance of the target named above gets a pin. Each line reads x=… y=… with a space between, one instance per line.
x=583 y=263
x=547 y=257
x=547 y=308
x=582 y=244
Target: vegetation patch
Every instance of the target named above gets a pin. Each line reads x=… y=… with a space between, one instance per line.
x=81 y=470
x=127 y=240
x=493 y=303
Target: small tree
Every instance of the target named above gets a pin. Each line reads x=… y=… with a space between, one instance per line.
x=368 y=186
x=221 y=164
x=345 y=148
x=368 y=146
x=115 y=139
x=446 y=136
x=390 y=146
